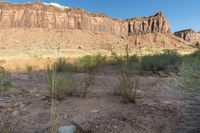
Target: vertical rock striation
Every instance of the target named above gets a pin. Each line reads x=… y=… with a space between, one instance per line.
x=40 y=15
x=188 y=35
x=156 y=23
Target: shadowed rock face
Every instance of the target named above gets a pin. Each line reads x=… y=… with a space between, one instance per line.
x=188 y=35
x=39 y=15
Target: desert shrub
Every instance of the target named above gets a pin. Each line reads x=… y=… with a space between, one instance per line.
x=82 y=89
x=61 y=65
x=91 y=62
x=5 y=79
x=169 y=60
x=127 y=88
x=86 y=62
x=187 y=83
x=129 y=80
x=60 y=84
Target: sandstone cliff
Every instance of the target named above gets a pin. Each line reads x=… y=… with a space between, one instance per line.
x=189 y=35
x=39 y=15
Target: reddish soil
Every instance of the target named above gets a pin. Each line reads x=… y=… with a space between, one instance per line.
x=157 y=111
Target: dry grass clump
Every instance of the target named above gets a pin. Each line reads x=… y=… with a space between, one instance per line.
x=129 y=80
x=127 y=88
x=61 y=75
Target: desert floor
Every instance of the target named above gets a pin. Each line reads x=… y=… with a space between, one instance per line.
x=157 y=110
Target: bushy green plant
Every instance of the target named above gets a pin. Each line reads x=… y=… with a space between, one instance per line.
x=169 y=60
x=61 y=65
x=187 y=83
x=5 y=79
x=62 y=83
x=100 y=60
x=86 y=62
x=91 y=62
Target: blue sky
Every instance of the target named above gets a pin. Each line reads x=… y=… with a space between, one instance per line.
x=181 y=13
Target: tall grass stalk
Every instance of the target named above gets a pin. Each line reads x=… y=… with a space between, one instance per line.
x=53 y=104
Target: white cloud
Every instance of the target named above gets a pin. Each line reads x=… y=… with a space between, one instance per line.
x=56 y=5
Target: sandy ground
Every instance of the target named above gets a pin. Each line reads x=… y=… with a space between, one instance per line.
x=36 y=43
x=156 y=112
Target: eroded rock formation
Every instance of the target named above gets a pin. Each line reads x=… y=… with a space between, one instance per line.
x=189 y=35
x=39 y=15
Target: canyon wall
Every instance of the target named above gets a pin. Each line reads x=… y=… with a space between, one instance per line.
x=188 y=35
x=40 y=15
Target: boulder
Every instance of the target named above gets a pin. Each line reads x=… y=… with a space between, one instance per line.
x=67 y=129
x=81 y=123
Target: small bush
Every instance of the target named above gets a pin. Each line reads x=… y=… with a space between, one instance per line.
x=61 y=65
x=5 y=80
x=84 y=64
x=188 y=81
x=83 y=89
x=127 y=88
x=169 y=60
x=129 y=79
x=60 y=84
x=89 y=62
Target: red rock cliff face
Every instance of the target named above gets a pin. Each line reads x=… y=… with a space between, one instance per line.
x=39 y=15
x=188 y=35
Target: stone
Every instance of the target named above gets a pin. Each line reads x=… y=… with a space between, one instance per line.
x=40 y=15
x=67 y=129
x=20 y=105
x=14 y=114
x=65 y=116
x=37 y=95
x=81 y=123
x=94 y=111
